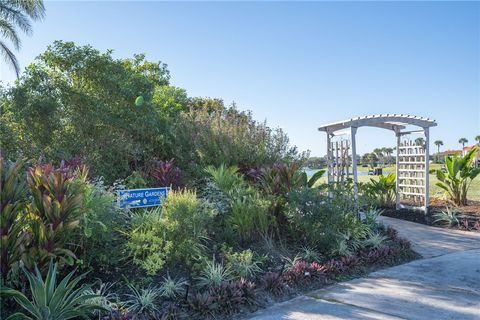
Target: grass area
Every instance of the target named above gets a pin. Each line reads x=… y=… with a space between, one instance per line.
x=435 y=191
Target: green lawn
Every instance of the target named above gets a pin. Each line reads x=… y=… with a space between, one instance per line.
x=435 y=191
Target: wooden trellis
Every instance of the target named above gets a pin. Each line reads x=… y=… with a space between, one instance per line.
x=412 y=177
x=412 y=160
x=338 y=154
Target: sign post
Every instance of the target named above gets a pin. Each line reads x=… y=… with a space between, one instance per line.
x=140 y=198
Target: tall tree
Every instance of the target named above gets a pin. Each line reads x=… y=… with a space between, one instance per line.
x=16 y=14
x=477 y=138
x=438 y=143
x=463 y=141
x=419 y=141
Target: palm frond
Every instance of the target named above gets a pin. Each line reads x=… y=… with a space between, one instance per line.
x=10 y=57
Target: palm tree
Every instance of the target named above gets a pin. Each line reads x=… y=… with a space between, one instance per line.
x=388 y=152
x=477 y=138
x=463 y=141
x=438 y=143
x=419 y=141
x=17 y=14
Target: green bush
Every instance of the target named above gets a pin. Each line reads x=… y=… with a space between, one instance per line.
x=175 y=233
x=212 y=134
x=249 y=217
x=321 y=222
x=147 y=244
x=100 y=238
x=243 y=264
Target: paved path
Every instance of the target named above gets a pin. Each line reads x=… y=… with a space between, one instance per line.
x=432 y=242
x=443 y=285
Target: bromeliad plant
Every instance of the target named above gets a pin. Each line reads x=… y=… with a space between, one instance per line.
x=51 y=301
x=458 y=176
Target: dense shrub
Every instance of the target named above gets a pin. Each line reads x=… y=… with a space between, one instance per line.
x=175 y=233
x=99 y=237
x=75 y=101
x=248 y=216
x=211 y=134
x=323 y=222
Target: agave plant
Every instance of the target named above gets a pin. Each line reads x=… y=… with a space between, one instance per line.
x=448 y=217
x=458 y=177
x=12 y=214
x=51 y=301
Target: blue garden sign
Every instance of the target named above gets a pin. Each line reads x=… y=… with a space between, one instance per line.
x=139 y=198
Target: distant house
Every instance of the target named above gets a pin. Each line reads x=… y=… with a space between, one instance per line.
x=461 y=153
x=450 y=153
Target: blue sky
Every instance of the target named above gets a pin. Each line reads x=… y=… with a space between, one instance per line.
x=297 y=65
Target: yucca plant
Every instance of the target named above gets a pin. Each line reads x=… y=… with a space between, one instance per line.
x=51 y=301
x=458 y=177
x=12 y=214
x=56 y=209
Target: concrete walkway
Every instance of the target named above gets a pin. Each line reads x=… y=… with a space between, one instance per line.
x=431 y=241
x=443 y=285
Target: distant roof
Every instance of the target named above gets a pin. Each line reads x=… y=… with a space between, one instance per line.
x=469 y=147
x=386 y=121
x=450 y=151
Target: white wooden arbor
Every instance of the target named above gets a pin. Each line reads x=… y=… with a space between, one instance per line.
x=412 y=160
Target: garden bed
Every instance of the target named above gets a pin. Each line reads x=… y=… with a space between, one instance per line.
x=468 y=216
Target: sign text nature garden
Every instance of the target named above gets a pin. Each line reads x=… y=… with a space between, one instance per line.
x=139 y=198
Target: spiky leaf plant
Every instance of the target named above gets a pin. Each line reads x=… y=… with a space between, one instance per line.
x=214 y=274
x=142 y=303
x=448 y=217
x=56 y=210
x=12 y=214
x=51 y=301
x=172 y=288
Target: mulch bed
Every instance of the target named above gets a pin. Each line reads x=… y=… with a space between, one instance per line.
x=468 y=215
